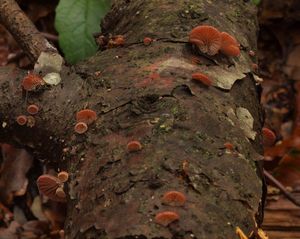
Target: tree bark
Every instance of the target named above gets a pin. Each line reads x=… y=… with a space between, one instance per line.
x=145 y=93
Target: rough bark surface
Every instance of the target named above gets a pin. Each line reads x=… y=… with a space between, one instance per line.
x=146 y=93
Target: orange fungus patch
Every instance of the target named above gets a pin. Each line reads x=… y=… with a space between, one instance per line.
x=174 y=198
x=134 y=146
x=32 y=81
x=81 y=128
x=229 y=46
x=204 y=79
x=32 y=109
x=206 y=38
x=86 y=116
x=165 y=218
x=21 y=119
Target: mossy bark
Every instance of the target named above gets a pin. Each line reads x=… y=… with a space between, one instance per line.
x=145 y=93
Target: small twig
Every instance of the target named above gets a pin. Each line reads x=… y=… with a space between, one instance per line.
x=281 y=188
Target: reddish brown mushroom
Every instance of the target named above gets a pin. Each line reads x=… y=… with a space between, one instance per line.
x=228 y=146
x=165 y=218
x=21 y=119
x=32 y=109
x=134 y=146
x=206 y=38
x=60 y=193
x=174 y=198
x=32 y=81
x=63 y=176
x=86 y=116
x=48 y=185
x=147 y=41
x=229 y=46
x=81 y=128
x=204 y=79
x=269 y=137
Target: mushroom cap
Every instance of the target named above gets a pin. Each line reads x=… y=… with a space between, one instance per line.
x=81 y=128
x=60 y=193
x=174 y=198
x=31 y=81
x=48 y=185
x=63 y=176
x=21 y=119
x=87 y=116
x=228 y=146
x=147 y=41
x=166 y=217
x=134 y=146
x=204 y=79
x=269 y=137
x=206 y=38
x=32 y=109
x=230 y=45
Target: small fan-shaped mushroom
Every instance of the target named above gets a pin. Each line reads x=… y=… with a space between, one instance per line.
x=206 y=38
x=86 y=116
x=165 y=218
x=134 y=146
x=48 y=185
x=81 y=128
x=204 y=79
x=31 y=81
x=229 y=46
x=174 y=198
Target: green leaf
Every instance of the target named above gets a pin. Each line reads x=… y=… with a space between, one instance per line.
x=256 y=2
x=76 y=21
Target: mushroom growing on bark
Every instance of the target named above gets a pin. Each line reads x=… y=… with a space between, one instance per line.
x=48 y=185
x=207 y=39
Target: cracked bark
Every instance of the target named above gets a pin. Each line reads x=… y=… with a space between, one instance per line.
x=146 y=94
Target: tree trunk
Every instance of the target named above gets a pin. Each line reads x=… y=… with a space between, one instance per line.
x=145 y=93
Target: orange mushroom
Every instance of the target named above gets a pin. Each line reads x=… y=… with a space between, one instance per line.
x=48 y=185
x=174 y=198
x=228 y=146
x=32 y=109
x=86 y=116
x=229 y=46
x=204 y=79
x=32 y=81
x=134 y=146
x=166 y=217
x=206 y=38
x=147 y=41
x=21 y=119
x=81 y=128
x=60 y=193
x=63 y=176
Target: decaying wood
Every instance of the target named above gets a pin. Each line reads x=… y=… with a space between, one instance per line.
x=145 y=93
